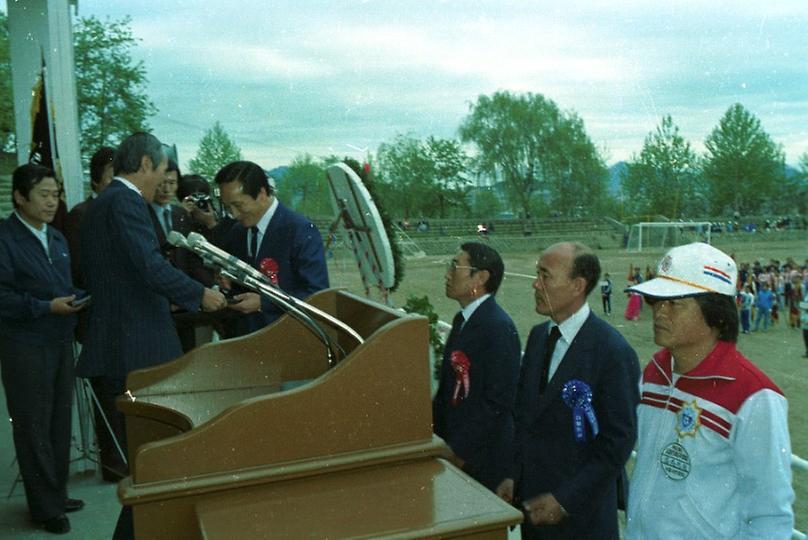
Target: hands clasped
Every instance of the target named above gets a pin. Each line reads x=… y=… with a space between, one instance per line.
x=213 y=300
x=544 y=509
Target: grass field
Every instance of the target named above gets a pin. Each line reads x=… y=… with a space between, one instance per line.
x=778 y=352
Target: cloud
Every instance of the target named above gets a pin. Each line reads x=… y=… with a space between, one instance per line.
x=287 y=77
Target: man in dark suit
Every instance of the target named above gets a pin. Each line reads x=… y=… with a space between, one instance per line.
x=132 y=284
x=100 y=177
x=473 y=408
x=167 y=217
x=37 y=319
x=286 y=244
x=575 y=408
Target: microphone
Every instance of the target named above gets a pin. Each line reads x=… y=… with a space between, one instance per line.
x=221 y=258
x=176 y=239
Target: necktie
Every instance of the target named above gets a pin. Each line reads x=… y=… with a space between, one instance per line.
x=457 y=324
x=167 y=220
x=254 y=242
x=552 y=339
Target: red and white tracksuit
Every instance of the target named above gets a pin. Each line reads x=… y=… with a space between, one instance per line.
x=713 y=452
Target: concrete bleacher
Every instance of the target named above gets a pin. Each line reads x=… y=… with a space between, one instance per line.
x=6 y=206
x=512 y=235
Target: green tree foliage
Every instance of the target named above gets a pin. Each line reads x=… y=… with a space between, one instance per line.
x=424 y=178
x=305 y=187
x=743 y=167
x=800 y=193
x=665 y=178
x=6 y=111
x=534 y=147
x=111 y=86
x=577 y=174
x=486 y=205
x=216 y=150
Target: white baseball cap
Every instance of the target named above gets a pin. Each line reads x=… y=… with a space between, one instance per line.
x=696 y=268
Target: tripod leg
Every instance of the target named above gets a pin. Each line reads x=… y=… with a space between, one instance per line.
x=88 y=388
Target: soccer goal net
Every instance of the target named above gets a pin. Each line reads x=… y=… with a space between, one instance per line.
x=657 y=235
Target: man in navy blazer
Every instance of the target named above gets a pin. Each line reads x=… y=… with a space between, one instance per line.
x=575 y=408
x=37 y=319
x=100 y=176
x=473 y=408
x=132 y=284
x=270 y=237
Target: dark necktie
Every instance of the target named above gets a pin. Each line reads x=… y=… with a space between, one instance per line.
x=457 y=324
x=254 y=242
x=552 y=339
x=167 y=220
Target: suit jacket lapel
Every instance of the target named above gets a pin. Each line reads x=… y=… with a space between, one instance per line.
x=264 y=250
x=568 y=367
x=158 y=227
x=457 y=339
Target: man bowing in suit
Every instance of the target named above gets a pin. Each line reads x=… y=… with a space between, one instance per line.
x=575 y=407
x=281 y=243
x=473 y=408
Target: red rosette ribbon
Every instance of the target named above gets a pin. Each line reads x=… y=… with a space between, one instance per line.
x=461 y=366
x=269 y=267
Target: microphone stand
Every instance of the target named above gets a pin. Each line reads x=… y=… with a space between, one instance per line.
x=239 y=271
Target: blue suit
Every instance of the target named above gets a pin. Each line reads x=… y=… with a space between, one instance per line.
x=583 y=476
x=479 y=428
x=297 y=247
x=130 y=325
x=36 y=355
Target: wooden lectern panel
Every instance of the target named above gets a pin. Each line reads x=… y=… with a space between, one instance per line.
x=216 y=430
x=420 y=499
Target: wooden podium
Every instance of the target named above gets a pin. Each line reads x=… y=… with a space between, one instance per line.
x=256 y=437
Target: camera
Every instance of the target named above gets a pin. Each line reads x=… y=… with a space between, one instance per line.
x=201 y=200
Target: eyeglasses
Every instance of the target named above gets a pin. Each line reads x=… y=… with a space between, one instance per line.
x=452 y=265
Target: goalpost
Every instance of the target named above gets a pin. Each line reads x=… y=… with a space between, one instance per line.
x=666 y=234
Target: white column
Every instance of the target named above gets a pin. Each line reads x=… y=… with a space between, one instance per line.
x=37 y=28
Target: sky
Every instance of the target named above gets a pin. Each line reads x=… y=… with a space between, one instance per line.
x=286 y=78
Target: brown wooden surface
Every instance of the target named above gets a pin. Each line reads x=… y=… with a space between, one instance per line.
x=421 y=499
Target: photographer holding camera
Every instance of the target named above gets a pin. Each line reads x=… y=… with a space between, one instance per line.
x=194 y=193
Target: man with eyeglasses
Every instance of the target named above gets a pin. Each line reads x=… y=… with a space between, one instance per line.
x=473 y=408
x=167 y=216
x=713 y=453
x=575 y=407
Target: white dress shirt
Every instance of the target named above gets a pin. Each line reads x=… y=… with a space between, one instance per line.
x=569 y=329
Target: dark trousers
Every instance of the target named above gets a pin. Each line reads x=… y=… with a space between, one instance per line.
x=107 y=389
x=607 y=303
x=38 y=380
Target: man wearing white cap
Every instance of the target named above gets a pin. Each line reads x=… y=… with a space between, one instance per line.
x=713 y=451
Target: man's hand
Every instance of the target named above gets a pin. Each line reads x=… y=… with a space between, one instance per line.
x=61 y=305
x=544 y=509
x=213 y=300
x=505 y=490
x=223 y=282
x=248 y=302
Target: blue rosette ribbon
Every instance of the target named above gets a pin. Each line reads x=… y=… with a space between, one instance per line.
x=578 y=396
